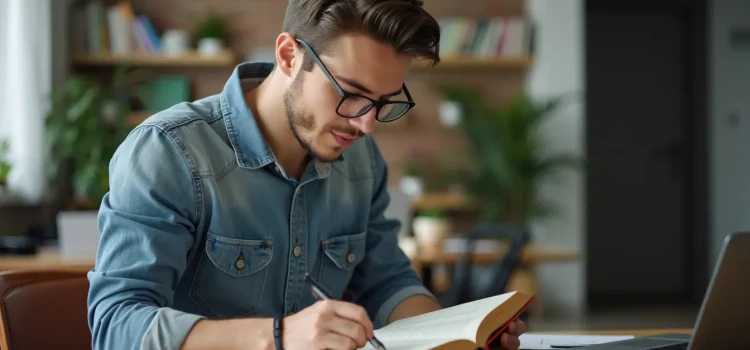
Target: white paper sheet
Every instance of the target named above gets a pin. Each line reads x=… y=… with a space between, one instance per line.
x=546 y=341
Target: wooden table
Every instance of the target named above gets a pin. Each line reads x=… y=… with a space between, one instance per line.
x=533 y=253
x=45 y=259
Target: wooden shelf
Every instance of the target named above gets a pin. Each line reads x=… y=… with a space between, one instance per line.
x=453 y=62
x=443 y=201
x=193 y=59
x=136 y=118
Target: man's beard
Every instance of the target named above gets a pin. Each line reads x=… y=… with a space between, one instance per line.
x=302 y=123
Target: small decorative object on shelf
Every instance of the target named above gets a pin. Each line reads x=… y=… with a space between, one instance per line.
x=175 y=42
x=450 y=113
x=211 y=36
x=431 y=227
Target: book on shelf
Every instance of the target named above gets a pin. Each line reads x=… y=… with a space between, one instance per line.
x=98 y=29
x=469 y=326
x=493 y=37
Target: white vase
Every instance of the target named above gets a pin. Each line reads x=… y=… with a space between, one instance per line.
x=175 y=42
x=450 y=113
x=408 y=245
x=430 y=232
x=210 y=47
x=412 y=186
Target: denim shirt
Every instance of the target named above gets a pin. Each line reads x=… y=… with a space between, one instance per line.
x=201 y=222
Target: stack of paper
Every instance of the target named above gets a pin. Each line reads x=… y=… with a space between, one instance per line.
x=555 y=341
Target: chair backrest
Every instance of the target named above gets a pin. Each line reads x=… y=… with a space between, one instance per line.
x=463 y=289
x=43 y=310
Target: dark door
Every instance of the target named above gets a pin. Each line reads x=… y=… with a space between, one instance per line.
x=639 y=145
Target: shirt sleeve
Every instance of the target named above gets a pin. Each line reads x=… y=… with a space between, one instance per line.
x=385 y=277
x=146 y=225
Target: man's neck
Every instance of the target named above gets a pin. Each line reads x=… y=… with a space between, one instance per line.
x=267 y=105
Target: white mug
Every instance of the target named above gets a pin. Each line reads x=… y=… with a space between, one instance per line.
x=175 y=42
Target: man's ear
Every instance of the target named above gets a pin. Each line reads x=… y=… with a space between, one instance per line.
x=288 y=55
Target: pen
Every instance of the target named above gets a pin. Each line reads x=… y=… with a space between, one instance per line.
x=321 y=294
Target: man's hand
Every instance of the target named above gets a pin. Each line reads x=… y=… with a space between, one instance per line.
x=509 y=339
x=328 y=324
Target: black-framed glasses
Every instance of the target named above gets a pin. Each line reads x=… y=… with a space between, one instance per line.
x=355 y=105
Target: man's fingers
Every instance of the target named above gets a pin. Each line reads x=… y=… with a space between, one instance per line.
x=520 y=327
x=350 y=329
x=512 y=328
x=510 y=341
x=335 y=341
x=353 y=312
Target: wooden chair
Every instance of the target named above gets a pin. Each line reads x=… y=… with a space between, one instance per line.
x=463 y=289
x=43 y=310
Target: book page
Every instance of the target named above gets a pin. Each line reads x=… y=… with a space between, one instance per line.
x=458 y=322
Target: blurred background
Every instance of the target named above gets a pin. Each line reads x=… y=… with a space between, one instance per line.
x=591 y=152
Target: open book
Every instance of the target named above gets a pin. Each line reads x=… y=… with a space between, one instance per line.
x=469 y=326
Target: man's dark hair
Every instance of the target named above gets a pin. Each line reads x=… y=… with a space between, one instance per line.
x=404 y=24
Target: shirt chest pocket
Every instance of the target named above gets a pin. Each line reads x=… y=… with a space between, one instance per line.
x=340 y=256
x=231 y=274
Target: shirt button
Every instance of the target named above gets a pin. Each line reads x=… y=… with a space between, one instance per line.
x=299 y=190
x=351 y=257
x=277 y=168
x=297 y=251
x=239 y=264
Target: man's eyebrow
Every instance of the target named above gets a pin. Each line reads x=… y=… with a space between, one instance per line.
x=358 y=86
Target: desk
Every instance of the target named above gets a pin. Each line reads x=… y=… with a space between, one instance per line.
x=532 y=254
x=45 y=259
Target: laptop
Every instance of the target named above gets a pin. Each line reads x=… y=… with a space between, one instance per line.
x=724 y=314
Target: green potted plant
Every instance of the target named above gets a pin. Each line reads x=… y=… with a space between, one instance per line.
x=507 y=156
x=430 y=227
x=86 y=123
x=211 y=35
x=5 y=166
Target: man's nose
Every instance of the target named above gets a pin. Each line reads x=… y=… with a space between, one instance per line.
x=366 y=122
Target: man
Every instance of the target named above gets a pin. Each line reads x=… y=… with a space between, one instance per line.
x=219 y=209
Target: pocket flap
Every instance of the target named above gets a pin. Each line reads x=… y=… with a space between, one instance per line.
x=346 y=251
x=238 y=257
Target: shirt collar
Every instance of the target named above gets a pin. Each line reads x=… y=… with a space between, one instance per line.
x=250 y=147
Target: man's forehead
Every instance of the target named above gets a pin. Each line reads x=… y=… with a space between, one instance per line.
x=373 y=64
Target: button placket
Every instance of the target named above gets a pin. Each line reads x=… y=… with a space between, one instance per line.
x=297 y=260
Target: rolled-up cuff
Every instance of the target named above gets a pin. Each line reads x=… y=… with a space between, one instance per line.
x=381 y=318
x=168 y=329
